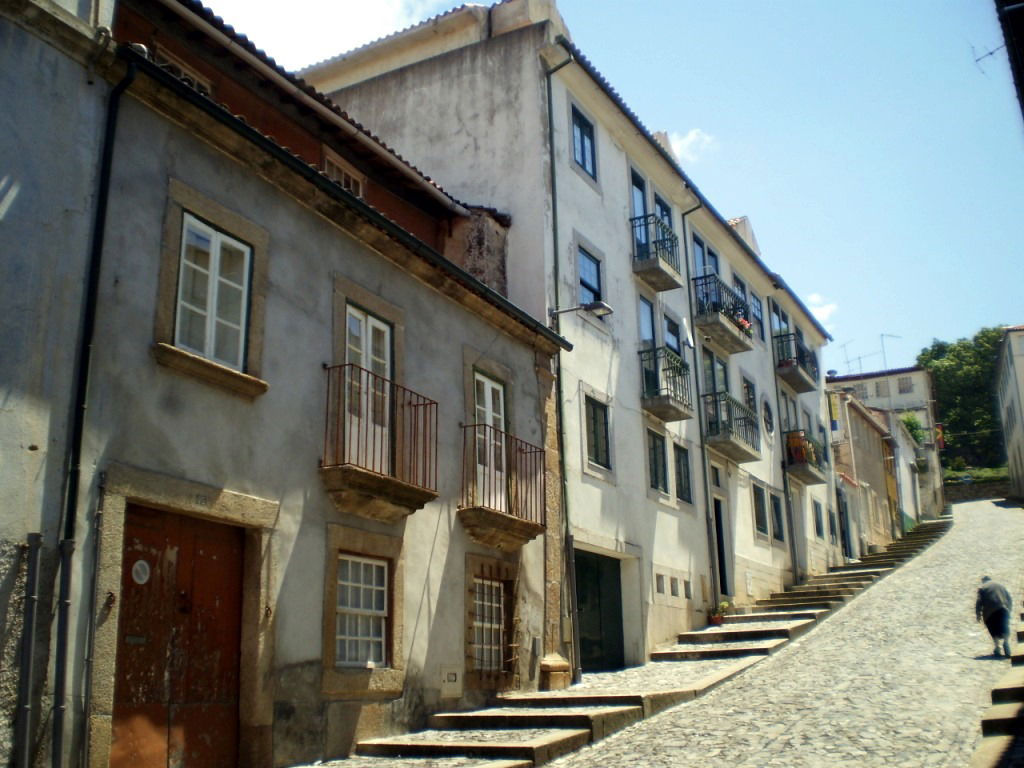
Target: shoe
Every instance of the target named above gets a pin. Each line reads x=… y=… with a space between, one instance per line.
x=995 y=651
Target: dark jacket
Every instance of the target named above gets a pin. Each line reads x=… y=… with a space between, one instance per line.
x=992 y=596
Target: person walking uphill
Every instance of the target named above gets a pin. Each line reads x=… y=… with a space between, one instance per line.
x=994 y=605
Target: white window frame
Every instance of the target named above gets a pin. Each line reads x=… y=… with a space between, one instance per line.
x=344 y=173
x=218 y=238
x=177 y=67
x=373 y=639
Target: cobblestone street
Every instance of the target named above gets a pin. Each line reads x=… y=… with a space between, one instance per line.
x=899 y=677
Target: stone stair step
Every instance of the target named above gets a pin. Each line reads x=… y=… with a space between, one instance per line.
x=538 y=745
x=789 y=603
x=731 y=634
x=795 y=614
x=841 y=579
x=1003 y=718
x=859 y=568
x=719 y=650
x=814 y=594
x=366 y=761
x=599 y=720
x=650 y=702
x=817 y=590
x=888 y=562
x=1010 y=687
x=991 y=751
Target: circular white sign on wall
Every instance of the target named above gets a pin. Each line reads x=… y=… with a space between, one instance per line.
x=140 y=572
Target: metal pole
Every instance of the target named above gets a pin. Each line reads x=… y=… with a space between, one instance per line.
x=23 y=715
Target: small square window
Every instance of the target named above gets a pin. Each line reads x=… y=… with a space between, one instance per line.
x=881 y=388
x=656 y=461
x=583 y=150
x=716 y=476
x=682 y=462
x=673 y=585
x=177 y=67
x=905 y=385
x=659 y=583
x=345 y=175
x=598 y=448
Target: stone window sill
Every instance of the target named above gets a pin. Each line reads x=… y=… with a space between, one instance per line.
x=236 y=382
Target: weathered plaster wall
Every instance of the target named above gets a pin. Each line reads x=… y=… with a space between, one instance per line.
x=47 y=185
x=146 y=415
x=478 y=108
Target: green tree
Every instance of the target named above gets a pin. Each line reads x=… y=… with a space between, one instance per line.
x=964 y=380
x=914 y=427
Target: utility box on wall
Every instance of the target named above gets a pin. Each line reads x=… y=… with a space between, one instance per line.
x=451 y=682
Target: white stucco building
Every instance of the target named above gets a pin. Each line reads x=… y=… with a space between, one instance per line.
x=1010 y=381
x=680 y=410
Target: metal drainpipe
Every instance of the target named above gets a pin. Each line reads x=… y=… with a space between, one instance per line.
x=23 y=726
x=786 y=492
x=83 y=754
x=709 y=520
x=570 y=560
x=80 y=395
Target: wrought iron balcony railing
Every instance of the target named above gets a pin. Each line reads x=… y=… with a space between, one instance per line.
x=801 y=449
x=502 y=473
x=654 y=239
x=665 y=373
x=714 y=296
x=789 y=349
x=728 y=418
x=379 y=426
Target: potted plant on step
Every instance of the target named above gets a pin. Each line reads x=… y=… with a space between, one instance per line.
x=717 y=615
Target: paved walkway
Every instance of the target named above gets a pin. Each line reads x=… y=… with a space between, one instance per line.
x=899 y=677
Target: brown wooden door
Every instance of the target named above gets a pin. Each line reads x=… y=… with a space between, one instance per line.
x=176 y=690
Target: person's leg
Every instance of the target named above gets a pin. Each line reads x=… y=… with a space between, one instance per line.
x=1006 y=633
x=994 y=624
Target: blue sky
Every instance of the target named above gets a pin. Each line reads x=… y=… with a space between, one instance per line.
x=881 y=167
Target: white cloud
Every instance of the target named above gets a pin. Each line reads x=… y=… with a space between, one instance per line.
x=314 y=30
x=821 y=308
x=693 y=145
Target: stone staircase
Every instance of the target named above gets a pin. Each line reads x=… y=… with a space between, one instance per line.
x=527 y=729
x=1002 y=724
